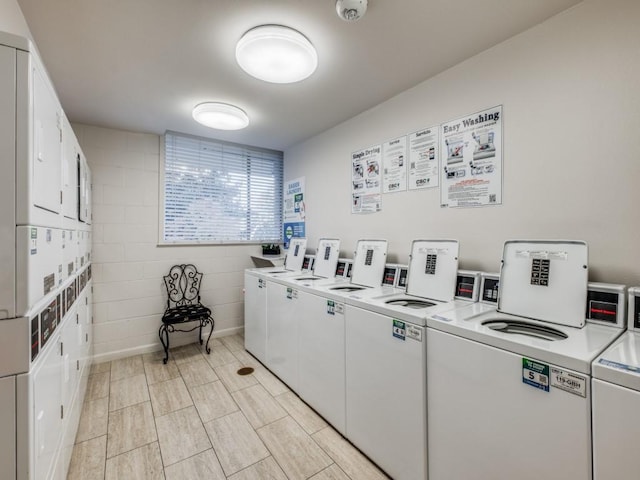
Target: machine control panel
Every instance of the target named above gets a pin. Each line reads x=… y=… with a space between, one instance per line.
x=390 y=275
x=401 y=282
x=606 y=304
x=468 y=285
x=307 y=263
x=490 y=287
x=341 y=267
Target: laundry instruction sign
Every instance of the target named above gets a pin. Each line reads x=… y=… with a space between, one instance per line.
x=471 y=160
x=293 y=217
x=535 y=374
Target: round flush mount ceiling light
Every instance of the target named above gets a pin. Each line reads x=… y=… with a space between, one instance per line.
x=351 y=10
x=220 y=116
x=276 y=54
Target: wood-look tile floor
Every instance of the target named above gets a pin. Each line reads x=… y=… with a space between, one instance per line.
x=195 y=417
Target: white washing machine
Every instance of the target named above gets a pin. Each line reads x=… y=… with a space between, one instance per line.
x=321 y=267
x=616 y=402
x=509 y=392
x=305 y=335
x=255 y=298
x=386 y=359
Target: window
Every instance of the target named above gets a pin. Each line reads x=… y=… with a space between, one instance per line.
x=219 y=192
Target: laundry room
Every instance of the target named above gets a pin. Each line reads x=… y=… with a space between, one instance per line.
x=437 y=215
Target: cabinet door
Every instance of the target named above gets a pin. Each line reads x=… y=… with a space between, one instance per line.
x=47 y=149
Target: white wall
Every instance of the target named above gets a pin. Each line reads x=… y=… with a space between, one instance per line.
x=571 y=110
x=12 y=20
x=129 y=294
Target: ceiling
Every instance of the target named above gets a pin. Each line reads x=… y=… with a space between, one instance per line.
x=142 y=65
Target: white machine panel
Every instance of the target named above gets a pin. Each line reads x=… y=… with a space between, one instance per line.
x=38 y=264
x=69 y=253
x=255 y=316
x=70 y=159
x=295 y=254
x=489 y=288
x=84 y=173
x=368 y=262
x=326 y=257
x=7 y=181
x=616 y=424
x=39 y=155
x=386 y=393
x=8 y=426
x=47 y=419
x=321 y=379
x=468 y=285
x=433 y=269
x=283 y=316
x=545 y=280
x=485 y=422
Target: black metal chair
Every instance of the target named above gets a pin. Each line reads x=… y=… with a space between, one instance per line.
x=183 y=305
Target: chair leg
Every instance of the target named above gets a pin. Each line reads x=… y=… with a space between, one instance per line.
x=202 y=322
x=209 y=320
x=163 y=329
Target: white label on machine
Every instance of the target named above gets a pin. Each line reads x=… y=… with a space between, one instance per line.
x=542 y=254
x=433 y=251
x=569 y=382
x=334 y=308
x=414 y=332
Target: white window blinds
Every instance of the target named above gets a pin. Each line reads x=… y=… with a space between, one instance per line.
x=216 y=192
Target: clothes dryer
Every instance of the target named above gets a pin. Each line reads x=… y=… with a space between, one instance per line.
x=509 y=392
x=616 y=401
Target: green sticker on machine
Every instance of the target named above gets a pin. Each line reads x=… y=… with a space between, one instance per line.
x=535 y=374
x=331 y=307
x=399 y=329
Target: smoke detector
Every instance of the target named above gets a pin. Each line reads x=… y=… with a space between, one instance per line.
x=351 y=10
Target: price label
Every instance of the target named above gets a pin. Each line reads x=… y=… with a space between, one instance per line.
x=569 y=382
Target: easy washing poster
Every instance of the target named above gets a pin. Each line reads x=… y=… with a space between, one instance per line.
x=471 y=160
x=293 y=214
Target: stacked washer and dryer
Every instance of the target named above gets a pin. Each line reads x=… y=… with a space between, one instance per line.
x=45 y=286
x=509 y=392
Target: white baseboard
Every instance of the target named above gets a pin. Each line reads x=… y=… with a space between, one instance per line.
x=154 y=347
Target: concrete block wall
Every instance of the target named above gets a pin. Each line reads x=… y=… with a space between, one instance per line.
x=128 y=264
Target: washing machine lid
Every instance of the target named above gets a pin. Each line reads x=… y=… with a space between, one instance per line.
x=295 y=254
x=368 y=262
x=545 y=280
x=620 y=363
x=326 y=257
x=433 y=269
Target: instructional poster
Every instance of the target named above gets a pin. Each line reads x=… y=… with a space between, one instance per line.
x=366 y=180
x=471 y=160
x=423 y=159
x=293 y=216
x=394 y=165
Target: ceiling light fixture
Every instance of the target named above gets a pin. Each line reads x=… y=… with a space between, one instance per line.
x=351 y=10
x=276 y=54
x=220 y=116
